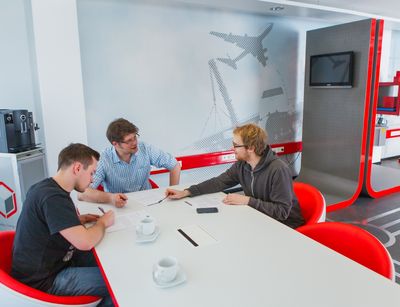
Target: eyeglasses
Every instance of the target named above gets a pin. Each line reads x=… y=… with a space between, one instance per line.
x=131 y=141
x=234 y=145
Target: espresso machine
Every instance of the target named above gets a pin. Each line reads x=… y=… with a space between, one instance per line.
x=22 y=163
x=17 y=131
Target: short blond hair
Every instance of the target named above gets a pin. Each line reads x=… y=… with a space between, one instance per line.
x=253 y=136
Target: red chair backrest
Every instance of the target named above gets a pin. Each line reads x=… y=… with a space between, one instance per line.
x=6 y=244
x=311 y=201
x=153 y=184
x=354 y=243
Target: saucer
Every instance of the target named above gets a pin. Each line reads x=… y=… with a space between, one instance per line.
x=179 y=279
x=141 y=238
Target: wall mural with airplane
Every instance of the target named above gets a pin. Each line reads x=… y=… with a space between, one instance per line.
x=281 y=125
x=192 y=74
x=248 y=45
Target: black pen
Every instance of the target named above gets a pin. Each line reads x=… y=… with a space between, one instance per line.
x=188 y=203
x=102 y=210
x=158 y=202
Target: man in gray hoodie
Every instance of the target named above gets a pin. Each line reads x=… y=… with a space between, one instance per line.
x=266 y=180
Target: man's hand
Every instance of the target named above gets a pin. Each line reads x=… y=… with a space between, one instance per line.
x=88 y=218
x=107 y=219
x=118 y=199
x=176 y=194
x=86 y=238
x=236 y=199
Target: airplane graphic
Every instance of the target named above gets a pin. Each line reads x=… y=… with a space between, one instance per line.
x=249 y=44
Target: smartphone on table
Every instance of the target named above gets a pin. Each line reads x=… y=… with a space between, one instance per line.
x=207 y=210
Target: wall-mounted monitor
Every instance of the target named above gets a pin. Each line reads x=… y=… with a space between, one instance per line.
x=332 y=69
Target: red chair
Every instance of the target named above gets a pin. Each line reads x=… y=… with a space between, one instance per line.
x=153 y=184
x=354 y=243
x=311 y=201
x=15 y=293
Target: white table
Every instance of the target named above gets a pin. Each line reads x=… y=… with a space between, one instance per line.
x=256 y=262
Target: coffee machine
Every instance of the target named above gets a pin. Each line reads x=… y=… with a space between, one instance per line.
x=17 y=131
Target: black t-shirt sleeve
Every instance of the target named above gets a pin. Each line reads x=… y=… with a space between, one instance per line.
x=60 y=213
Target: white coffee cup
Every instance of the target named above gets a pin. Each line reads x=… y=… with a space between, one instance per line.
x=146 y=226
x=166 y=269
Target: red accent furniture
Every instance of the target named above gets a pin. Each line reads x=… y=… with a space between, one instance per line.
x=312 y=203
x=27 y=295
x=354 y=243
x=388 y=103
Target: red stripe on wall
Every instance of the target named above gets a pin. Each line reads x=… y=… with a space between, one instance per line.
x=374 y=104
x=223 y=157
x=393 y=133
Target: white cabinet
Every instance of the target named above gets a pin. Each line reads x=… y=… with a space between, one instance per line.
x=18 y=172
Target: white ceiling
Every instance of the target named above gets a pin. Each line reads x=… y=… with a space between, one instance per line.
x=339 y=11
x=386 y=8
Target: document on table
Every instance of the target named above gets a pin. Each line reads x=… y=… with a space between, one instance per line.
x=149 y=197
x=196 y=235
x=128 y=220
x=206 y=200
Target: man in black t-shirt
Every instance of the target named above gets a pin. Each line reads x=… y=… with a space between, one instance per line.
x=52 y=247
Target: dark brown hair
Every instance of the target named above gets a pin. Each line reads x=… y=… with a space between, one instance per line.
x=119 y=128
x=76 y=152
x=253 y=136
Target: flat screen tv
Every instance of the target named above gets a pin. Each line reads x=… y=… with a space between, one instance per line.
x=332 y=69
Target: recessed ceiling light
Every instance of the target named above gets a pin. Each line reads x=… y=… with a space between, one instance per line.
x=276 y=8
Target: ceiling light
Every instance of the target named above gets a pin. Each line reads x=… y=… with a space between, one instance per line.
x=276 y=8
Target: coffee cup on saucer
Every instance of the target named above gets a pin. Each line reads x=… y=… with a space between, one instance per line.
x=166 y=269
x=146 y=226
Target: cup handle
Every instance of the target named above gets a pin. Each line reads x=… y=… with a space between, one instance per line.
x=139 y=228
x=157 y=274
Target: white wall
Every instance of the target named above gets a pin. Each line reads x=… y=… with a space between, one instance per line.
x=16 y=88
x=44 y=73
x=386 y=69
x=149 y=63
x=41 y=69
x=121 y=79
x=59 y=75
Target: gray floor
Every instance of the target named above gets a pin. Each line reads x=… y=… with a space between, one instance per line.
x=386 y=174
x=379 y=216
x=392 y=162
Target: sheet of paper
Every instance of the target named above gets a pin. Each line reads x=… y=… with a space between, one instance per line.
x=206 y=201
x=148 y=197
x=197 y=236
x=128 y=220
